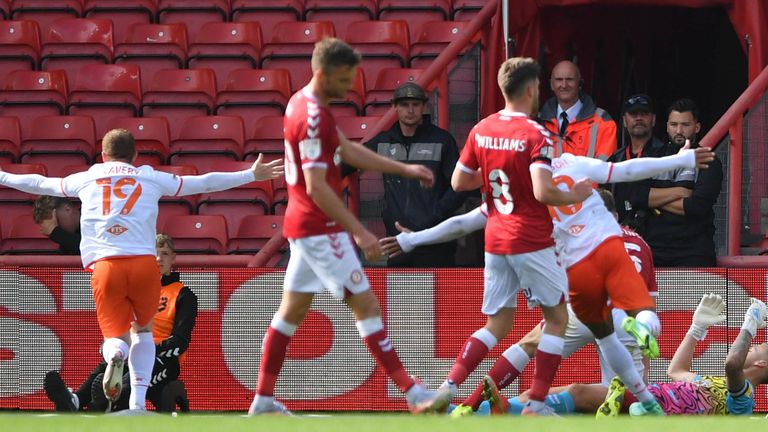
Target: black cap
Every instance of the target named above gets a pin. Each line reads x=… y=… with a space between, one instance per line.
x=638 y=102
x=409 y=90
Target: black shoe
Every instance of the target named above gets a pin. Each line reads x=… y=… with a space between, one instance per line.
x=58 y=393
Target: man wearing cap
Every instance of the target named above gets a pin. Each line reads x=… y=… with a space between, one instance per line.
x=414 y=139
x=578 y=126
x=632 y=198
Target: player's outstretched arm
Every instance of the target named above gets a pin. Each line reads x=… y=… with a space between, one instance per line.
x=643 y=168
x=465 y=179
x=450 y=229
x=33 y=183
x=545 y=191
x=219 y=181
x=708 y=313
x=365 y=159
x=754 y=319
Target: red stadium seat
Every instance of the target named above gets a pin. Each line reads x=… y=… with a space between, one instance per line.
x=279 y=196
x=206 y=140
x=253 y=233
x=5 y=9
x=173 y=206
x=123 y=13
x=291 y=48
x=152 y=136
x=19 y=46
x=194 y=234
x=70 y=43
x=45 y=12
x=253 y=94
x=415 y=12
x=356 y=128
x=58 y=141
x=193 y=13
x=267 y=137
x=24 y=238
x=267 y=13
x=465 y=10
x=104 y=92
x=234 y=204
x=153 y=47
x=352 y=103
x=30 y=94
x=378 y=99
x=73 y=169
x=383 y=44
x=225 y=47
x=178 y=94
x=10 y=139
x=340 y=12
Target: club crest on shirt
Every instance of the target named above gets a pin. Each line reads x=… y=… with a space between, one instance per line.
x=548 y=152
x=116 y=229
x=356 y=277
x=575 y=229
x=310 y=148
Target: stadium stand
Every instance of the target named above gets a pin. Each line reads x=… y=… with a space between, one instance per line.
x=355 y=128
x=252 y=94
x=193 y=13
x=105 y=92
x=195 y=234
x=383 y=44
x=172 y=206
x=253 y=233
x=10 y=140
x=415 y=12
x=123 y=13
x=378 y=99
x=225 y=47
x=267 y=137
x=206 y=140
x=14 y=203
x=70 y=43
x=152 y=136
x=29 y=94
x=23 y=237
x=58 y=141
x=19 y=46
x=340 y=13
x=45 y=12
x=352 y=103
x=153 y=47
x=267 y=13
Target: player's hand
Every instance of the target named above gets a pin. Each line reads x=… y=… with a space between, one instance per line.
x=390 y=247
x=421 y=173
x=266 y=171
x=755 y=317
x=401 y=228
x=369 y=244
x=709 y=311
x=581 y=190
x=48 y=225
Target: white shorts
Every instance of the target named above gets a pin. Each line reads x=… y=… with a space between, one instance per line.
x=538 y=274
x=325 y=261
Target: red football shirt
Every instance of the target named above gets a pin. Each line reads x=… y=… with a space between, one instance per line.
x=311 y=141
x=504 y=146
x=641 y=255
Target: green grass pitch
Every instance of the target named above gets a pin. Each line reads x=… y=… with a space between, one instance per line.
x=343 y=422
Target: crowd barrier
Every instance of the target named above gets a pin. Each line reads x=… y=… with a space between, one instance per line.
x=47 y=322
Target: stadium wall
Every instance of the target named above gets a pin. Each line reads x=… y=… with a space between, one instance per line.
x=47 y=321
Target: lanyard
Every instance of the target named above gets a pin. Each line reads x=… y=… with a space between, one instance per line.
x=640 y=154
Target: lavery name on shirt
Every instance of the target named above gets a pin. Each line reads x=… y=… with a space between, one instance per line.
x=496 y=143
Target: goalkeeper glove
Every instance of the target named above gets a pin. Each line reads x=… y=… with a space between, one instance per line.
x=708 y=313
x=755 y=317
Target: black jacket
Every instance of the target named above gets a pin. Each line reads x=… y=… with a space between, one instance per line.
x=406 y=200
x=69 y=242
x=675 y=239
x=632 y=197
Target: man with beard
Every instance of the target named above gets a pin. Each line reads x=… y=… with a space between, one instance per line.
x=632 y=198
x=680 y=227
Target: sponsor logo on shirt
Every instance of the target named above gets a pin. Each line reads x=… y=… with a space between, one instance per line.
x=575 y=229
x=116 y=229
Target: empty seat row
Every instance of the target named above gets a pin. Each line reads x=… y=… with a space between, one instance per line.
x=70 y=43
x=195 y=13
x=203 y=141
x=107 y=91
x=192 y=234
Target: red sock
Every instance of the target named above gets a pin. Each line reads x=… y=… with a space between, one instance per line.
x=471 y=355
x=546 y=367
x=379 y=345
x=629 y=399
x=502 y=373
x=275 y=348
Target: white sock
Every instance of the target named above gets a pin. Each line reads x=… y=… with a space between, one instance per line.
x=651 y=320
x=262 y=400
x=112 y=346
x=141 y=359
x=620 y=361
x=517 y=356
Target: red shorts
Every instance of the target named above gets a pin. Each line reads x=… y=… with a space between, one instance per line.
x=607 y=272
x=125 y=290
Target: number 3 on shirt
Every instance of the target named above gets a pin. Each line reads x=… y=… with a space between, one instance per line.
x=499 y=183
x=109 y=189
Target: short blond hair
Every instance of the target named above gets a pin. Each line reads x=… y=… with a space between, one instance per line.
x=515 y=74
x=164 y=240
x=119 y=144
x=331 y=53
